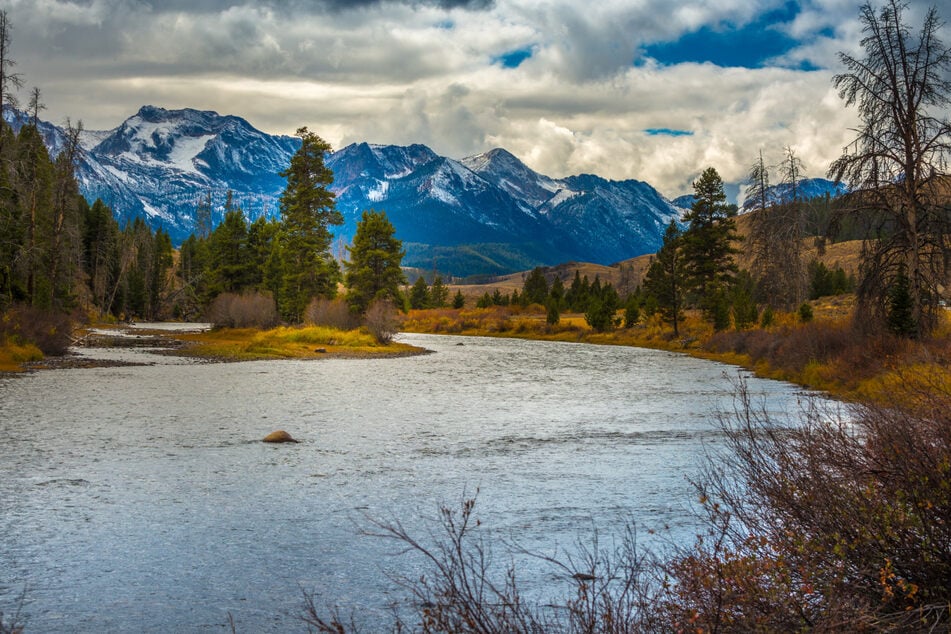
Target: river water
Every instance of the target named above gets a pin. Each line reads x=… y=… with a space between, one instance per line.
x=140 y=498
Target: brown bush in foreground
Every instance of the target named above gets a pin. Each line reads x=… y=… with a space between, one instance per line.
x=840 y=524
x=248 y=310
x=606 y=589
x=840 y=521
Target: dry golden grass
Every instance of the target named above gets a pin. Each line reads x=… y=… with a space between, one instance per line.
x=14 y=355
x=308 y=342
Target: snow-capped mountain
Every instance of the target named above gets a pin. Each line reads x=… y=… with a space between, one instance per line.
x=614 y=219
x=485 y=214
x=456 y=215
x=161 y=162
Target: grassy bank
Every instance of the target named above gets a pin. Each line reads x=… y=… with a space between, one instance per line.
x=307 y=342
x=825 y=353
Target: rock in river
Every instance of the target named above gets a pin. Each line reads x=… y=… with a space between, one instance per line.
x=279 y=436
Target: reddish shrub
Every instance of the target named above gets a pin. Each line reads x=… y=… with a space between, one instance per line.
x=333 y=313
x=250 y=310
x=382 y=320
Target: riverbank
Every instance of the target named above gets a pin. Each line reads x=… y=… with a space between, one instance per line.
x=825 y=353
x=285 y=342
x=218 y=345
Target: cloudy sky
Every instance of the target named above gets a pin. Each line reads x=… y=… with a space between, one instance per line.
x=649 y=89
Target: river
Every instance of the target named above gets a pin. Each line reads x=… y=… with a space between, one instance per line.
x=140 y=498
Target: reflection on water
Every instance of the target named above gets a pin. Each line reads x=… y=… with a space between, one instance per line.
x=139 y=498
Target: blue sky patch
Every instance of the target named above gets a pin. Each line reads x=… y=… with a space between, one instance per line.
x=667 y=132
x=513 y=59
x=727 y=45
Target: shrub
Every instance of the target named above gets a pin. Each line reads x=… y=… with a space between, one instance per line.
x=382 y=320
x=840 y=524
x=632 y=313
x=49 y=331
x=607 y=591
x=553 y=315
x=805 y=313
x=333 y=313
x=248 y=310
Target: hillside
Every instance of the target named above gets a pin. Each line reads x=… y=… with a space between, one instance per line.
x=628 y=274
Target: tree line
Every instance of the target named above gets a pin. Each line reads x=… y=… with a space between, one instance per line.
x=58 y=253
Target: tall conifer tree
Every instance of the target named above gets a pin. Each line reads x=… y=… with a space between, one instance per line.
x=373 y=271
x=666 y=278
x=308 y=209
x=707 y=242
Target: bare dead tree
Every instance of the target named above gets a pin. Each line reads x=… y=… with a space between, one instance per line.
x=897 y=164
x=36 y=106
x=777 y=231
x=9 y=81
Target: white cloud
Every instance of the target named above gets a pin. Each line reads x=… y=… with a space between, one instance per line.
x=405 y=72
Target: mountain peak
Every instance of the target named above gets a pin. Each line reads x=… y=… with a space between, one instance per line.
x=494 y=160
x=506 y=171
x=487 y=214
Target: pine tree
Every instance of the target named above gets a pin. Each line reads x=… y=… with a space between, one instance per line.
x=745 y=312
x=553 y=315
x=373 y=271
x=308 y=210
x=602 y=306
x=419 y=294
x=34 y=189
x=438 y=293
x=901 y=319
x=707 y=242
x=557 y=293
x=535 y=288
x=228 y=254
x=666 y=278
x=262 y=233
x=459 y=301
x=65 y=236
x=632 y=311
x=498 y=299
x=203 y=216
x=100 y=253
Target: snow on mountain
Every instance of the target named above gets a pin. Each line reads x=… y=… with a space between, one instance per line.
x=611 y=220
x=505 y=171
x=485 y=214
x=684 y=202
x=159 y=163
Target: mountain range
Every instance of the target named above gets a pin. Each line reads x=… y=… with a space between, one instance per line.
x=488 y=214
